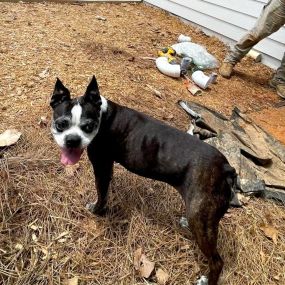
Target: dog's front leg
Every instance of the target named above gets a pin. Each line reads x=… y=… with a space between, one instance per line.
x=103 y=170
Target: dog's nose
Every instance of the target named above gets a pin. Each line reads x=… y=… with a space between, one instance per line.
x=73 y=141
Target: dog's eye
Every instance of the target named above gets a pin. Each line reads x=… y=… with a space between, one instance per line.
x=88 y=128
x=61 y=125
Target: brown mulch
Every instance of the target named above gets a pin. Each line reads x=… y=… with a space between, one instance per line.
x=46 y=234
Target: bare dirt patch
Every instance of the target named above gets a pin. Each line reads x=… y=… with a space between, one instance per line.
x=272 y=120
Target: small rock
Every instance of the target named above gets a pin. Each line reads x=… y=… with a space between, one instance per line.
x=100 y=18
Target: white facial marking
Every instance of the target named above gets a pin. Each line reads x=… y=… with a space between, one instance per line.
x=76 y=113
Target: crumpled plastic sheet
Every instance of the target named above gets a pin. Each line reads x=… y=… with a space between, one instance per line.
x=201 y=58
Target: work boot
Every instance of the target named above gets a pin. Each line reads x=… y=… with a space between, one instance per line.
x=226 y=69
x=279 y=86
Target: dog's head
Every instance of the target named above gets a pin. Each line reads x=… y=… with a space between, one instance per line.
x=76 y=121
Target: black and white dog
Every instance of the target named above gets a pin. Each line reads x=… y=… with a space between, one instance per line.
x=113 y=133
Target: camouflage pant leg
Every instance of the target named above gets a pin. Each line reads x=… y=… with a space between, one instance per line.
x=271 y=19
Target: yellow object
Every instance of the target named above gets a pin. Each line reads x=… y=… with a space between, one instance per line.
x=169 y=53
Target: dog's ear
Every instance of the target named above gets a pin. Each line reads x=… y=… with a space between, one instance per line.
x=60 y=94
x=92 y=93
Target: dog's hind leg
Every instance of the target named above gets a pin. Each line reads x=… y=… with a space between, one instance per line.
x=203 y=214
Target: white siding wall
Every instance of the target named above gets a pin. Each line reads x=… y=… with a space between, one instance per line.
x=229 y=20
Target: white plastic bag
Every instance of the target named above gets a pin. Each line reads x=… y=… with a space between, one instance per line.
x=201 y=58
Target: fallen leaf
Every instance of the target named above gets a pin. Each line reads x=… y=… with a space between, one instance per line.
x=62 y=240
x=146 y=267
x=243 y=199
x=168 y=117
x=268 y=218
x=43 y=122
x=19 y=246
x=34 y=238
x=73 y=281
x=142 y=264
x=44 y=73
x=185 y=247
x=9 y=137
x=262 y=255
x=162 y=276
x=270 y=232
x=276 y=277
x=137 y=256
x=100 y=18
x=64 y=260
x=155 y=91
x=46 y=253
x=35 y=227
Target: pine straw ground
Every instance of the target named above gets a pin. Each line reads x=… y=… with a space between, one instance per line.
x=47 y=236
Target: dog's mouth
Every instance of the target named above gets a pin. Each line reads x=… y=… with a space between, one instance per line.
x=70 y=156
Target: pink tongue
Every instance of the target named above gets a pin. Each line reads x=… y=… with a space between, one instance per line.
x=70 y=155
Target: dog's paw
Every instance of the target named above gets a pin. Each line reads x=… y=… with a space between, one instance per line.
x=202 y=281
x=94 y=209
